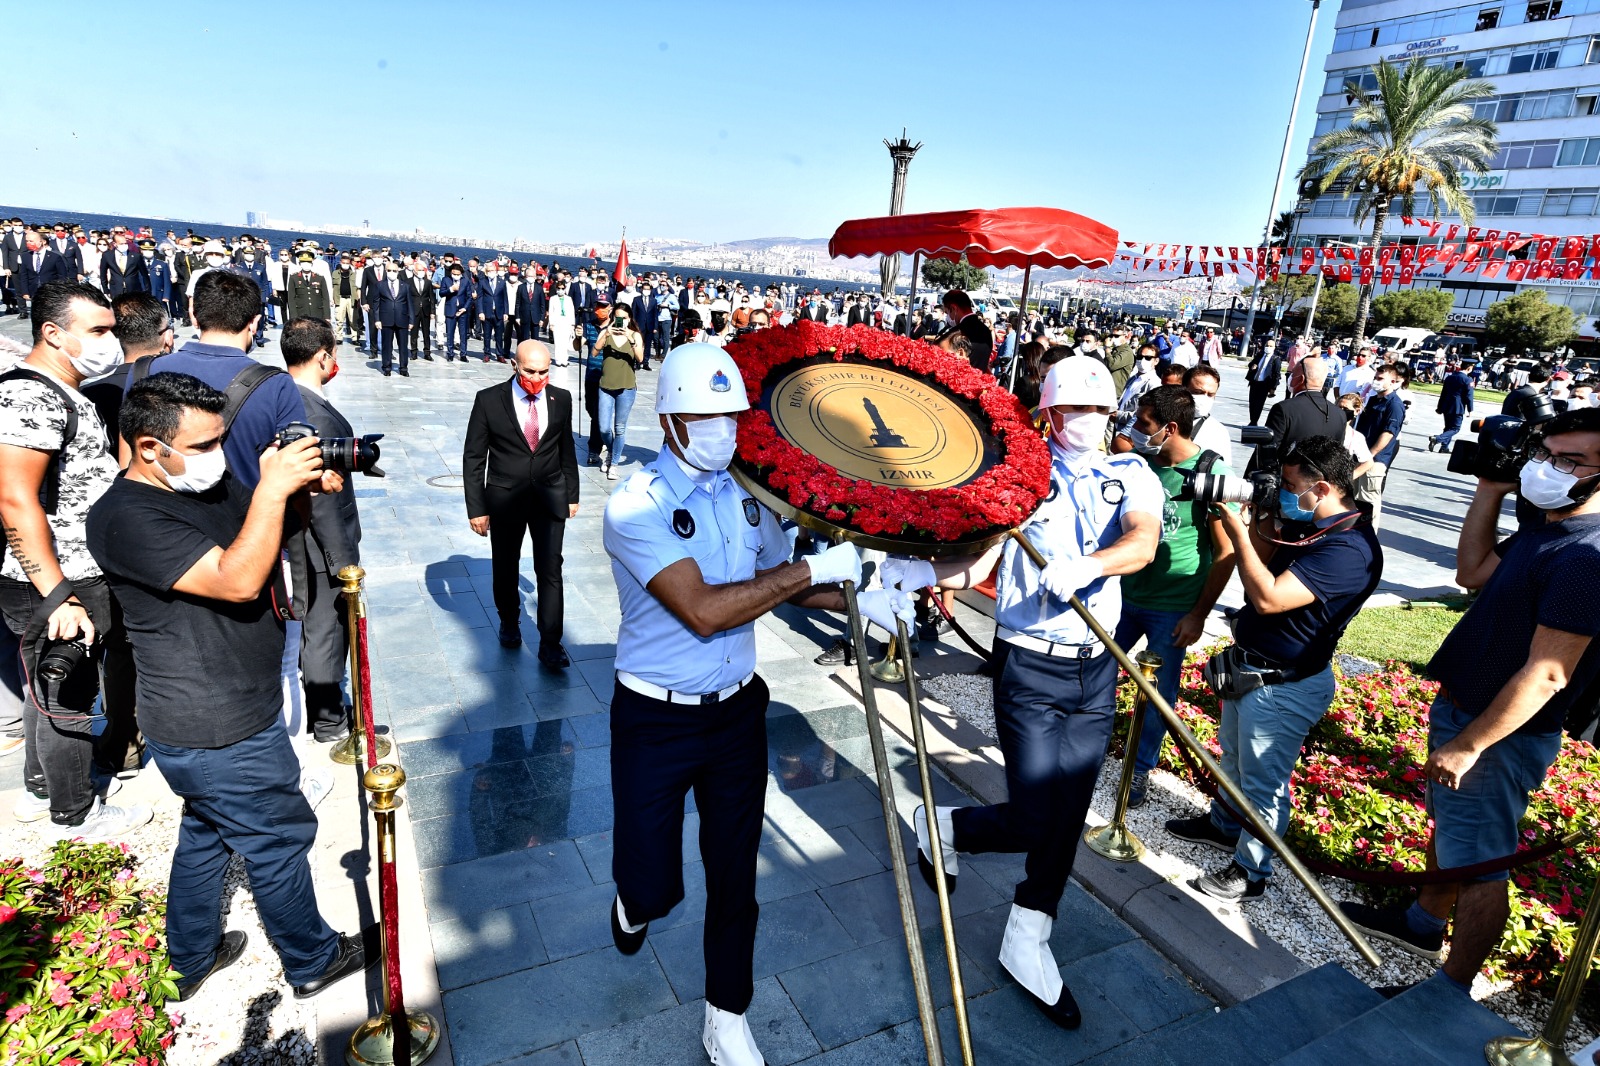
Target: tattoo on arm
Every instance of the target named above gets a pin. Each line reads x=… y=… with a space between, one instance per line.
x=14 y=541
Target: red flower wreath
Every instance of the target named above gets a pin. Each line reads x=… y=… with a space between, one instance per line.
x=1000 y=498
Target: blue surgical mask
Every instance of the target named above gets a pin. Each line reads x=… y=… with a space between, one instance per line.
x=1289 y=506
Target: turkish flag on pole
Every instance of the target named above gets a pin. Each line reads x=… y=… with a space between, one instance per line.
x=620 y=274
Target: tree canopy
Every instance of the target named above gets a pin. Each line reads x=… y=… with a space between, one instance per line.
x=1529 y=322
x=948 y=274
x=1423 y=308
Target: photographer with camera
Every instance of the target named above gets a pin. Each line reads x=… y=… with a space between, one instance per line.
x=1508 y=673
x=54 y=464
x=1380 y=422
x=1167 y=602
x=191 y=553
x=1308 y=561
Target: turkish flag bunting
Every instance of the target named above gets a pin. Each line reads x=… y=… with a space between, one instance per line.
x=1407 y=219
x=1433 y=228
x=1472 y=233
x=1473 y=250
x=1573 y=270
x=1203 y=251
x=1385 y=254
x=1233 y=253
x=1517 y=270
x=1491 y=235
x=1408 y=253
x=1366 y=275
x=1233 y=267
x=1188 y=250
x=1348 y=253
x=1544 y=268
x=1386 y=274
x=1491 y=268
x=1366 y=257
x=1406 y=275
x=1345 y=272
x=1594 y=246
x=1547 y=249
x=1274 y=274
x=1450 y=234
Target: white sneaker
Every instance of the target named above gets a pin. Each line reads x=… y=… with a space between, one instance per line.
x=30 y=808
x=105 y=823
x=611 y=472
x=315 y=784
x=728 y=1039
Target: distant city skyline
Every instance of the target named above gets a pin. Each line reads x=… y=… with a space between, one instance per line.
x=708 y=122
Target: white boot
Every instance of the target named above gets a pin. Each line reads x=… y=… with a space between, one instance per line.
x=728 y=1039
x=1026 y=955
x=947 y=833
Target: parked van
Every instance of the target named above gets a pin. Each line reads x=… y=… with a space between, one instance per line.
x=1401 y=339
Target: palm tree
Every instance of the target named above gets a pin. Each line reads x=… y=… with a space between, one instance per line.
x=1416 y=129
x=1282 y=228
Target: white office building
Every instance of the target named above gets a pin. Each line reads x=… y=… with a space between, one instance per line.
x=1543 y=59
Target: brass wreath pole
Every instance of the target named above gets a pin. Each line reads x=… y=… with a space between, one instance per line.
x=941 y=886
x=1548 y=1048
x=1235 y=794
x=1114 y=840
x=891 y=824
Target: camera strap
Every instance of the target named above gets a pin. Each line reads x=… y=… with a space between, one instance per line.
x=50 y=488
x=244 y=383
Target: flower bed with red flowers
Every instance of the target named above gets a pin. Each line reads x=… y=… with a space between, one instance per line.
x=83 y=962
x=1359 y=792
x=998 y=499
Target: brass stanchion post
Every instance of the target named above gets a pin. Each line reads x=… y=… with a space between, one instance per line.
x=888 y=671
x=396 y=1035
x=1115 y=841
x=958 y=992
x=353 y=747
x=1548 y=1048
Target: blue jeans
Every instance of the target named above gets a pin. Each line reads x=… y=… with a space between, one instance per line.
x=1478 y=820
x=615 y=407
x=243 y=798
x=1156 y=627
x=1261 y=734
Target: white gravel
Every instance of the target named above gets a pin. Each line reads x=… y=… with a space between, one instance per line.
x=1286 y=913
x=245 y=1016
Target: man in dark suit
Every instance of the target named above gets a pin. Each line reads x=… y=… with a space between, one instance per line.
x=492 y=311
x=966 y=321
x=123 y=270
x=12 y=245
x=388 y=306
x=645 y=313
x=1306 y=413
x=857 y=312
x=1264 y=373
x=1456 y=401
x=67 y=248
x=584 y=299
x=533 y=306
x=424 y=301
x=459 y=300
x=41 y=265
x=816 y=309
x=333 y=540
x=521 y=474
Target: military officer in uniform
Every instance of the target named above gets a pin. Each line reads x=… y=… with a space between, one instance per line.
x=696 y=562
x=159 y=270
x=1054 y=683
x=305 y=292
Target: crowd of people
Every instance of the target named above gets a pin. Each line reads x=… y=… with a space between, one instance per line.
x=149 y=489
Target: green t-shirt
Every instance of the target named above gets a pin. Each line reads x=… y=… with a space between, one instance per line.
x=1175 y=577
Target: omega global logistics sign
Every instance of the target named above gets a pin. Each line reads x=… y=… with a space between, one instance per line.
x=1433 y=46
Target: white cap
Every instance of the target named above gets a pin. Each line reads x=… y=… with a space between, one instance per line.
x=214 y=247
x=700 y=379
x=719 y=304
x=1078 y=379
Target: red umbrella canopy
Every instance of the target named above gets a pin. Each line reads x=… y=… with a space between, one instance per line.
x=1002 y=237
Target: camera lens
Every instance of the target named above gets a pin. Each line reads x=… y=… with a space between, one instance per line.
x=62 y=658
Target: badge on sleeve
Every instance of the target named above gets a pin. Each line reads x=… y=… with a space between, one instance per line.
x=752 y=511
x=683 y=523
x=1112 y=491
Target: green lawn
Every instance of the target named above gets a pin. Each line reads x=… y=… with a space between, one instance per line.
x=1484 y=397
x=1410 y=635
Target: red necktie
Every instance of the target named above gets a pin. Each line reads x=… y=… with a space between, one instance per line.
x=530 y=428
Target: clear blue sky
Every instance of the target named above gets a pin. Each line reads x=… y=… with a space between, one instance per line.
x=567 y=121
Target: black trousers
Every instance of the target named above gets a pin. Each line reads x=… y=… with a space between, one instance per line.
x=659 y=751
x=591 y=404
x=388 y=339
x=1054 y=719
x=422 y=326
x=513 y=516
x=60 y=746
x=1259 y=394
x=324 y=655
x=510 y=336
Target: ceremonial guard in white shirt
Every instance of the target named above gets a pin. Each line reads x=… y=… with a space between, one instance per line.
x=696 y=562
x=1054 y=683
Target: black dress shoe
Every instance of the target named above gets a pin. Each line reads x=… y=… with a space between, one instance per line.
x=428 y=356
x=627 y=943
x=510 y=635
x=353 y=957
x=404 y=372
x=229 y=948
x=1064 y=1011
x=554 y=655
x=839 y=653
x=386 y=373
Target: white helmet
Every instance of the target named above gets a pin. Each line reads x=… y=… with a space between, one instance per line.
x=214 y=247
x=700 y=379
x=1078 y=379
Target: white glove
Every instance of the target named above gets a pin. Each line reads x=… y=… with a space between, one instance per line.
x=838 y=564
x=1064 y=577
x=883 y=606
x=907 y=574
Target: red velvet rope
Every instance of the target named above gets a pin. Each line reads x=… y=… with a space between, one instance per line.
x=366 y=691
x=388 y=892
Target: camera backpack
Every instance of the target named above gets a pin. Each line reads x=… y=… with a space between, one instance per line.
x=238 y=391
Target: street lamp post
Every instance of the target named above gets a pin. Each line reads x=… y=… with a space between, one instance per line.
x=1283 y=167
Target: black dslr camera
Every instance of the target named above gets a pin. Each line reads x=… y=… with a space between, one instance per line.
x=62 y=657
x=344 y=454
x=1258 y=489
x=1503 y=441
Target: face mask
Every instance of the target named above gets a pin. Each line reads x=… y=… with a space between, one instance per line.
x=200 y=472
x=1082 y=432
x=1203 y=404
x=1289 y=506
x=1549 y=489
x=711 y=442
x=148 y=255
x=532 y=386
x=1143 y=444
x=215 y=260
x=249 y=257
x=96 y=356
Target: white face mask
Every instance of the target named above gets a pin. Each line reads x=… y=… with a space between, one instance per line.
x=711 y=442
x=200 y=472
x=1203 y=404
x=1546 y=487
x=97 y=356
x=216 y=260
x=1082 y=432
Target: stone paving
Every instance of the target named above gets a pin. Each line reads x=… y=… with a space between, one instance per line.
x=508 y=804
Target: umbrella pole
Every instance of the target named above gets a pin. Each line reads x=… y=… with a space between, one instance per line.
x=1016 y=348
x=911 y=304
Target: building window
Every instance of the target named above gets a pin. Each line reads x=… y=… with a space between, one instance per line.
x=1539 y=10
x=1524 y=155
x=1574 y=202
x=1579 y=152
x=1488 y=19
